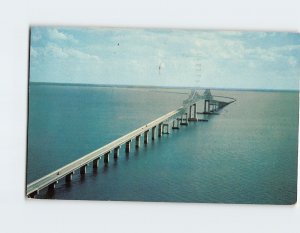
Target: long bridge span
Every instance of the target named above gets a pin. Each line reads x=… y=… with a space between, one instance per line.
x=181 y=116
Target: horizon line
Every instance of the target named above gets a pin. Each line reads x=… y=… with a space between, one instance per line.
x=156 y=86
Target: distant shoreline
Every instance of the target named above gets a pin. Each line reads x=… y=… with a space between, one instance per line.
x=157 y=87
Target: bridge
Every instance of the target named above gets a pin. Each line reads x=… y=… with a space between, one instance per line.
x=179 y=117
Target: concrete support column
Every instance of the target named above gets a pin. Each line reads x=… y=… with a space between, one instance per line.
x=137 y=141
x=51 y=186
x=159 y=129
x=176 y=126
x=146 y=137
x=106 y=158
x=96 y=162
x=193 y=117
x=153 y=133
x=184 y=120
x=83 y=169
x=33 y=194
x=208 y=104
x=127 y=148
x=116 y=152
x=69 y=177
x=165 y=126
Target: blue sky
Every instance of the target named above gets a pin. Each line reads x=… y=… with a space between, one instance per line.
x=165 y=57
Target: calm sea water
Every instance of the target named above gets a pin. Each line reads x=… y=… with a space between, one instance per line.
x=246 y=154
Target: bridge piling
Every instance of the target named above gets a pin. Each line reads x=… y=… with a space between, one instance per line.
x=167 y=127
x=213 y=107
x=106 y=158
x=51 y=186
x=96 y=163
x=184 y=121
x=159 y=130
x=206 y=106
x=137 y=141
x=177 y=124
x=127 y=148
x=83 y=169
x=193 y=117
x=153 y=133
x=33 y=194
x=146 y=137
x=69 y=177
x=116 y=152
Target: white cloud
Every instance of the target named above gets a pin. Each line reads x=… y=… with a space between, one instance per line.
x=231 y=33
x=220 y=48
x=53 y=50
x=36 y=35
x=262 y=54
x=224 y=48
x=286 y=48
x=54 y=34
x=292 y=61
x=33 y=52
x=81 y=55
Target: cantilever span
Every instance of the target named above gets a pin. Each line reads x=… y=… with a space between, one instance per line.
x=180 y=116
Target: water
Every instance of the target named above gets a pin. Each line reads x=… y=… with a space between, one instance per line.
x=246 y=154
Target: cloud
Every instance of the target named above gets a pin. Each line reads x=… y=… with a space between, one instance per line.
x=220 y=48
x=231 y=33
x=133 y=54
x=292 y=61
x=53 y=50
x=287 y=48
x=55 y=34
x=36 y=35
x=33 y=52
x=81 y=55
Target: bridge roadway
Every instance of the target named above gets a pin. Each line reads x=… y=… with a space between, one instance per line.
x=77 y=164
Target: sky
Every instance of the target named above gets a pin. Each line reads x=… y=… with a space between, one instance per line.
x=165 y=57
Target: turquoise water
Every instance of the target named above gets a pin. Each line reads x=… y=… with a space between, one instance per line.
x=246 y=154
